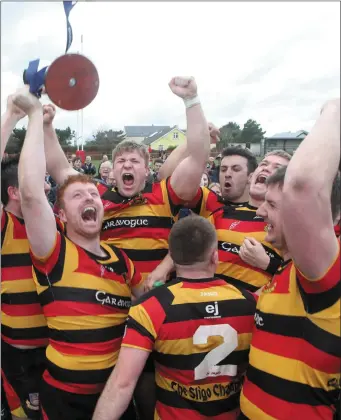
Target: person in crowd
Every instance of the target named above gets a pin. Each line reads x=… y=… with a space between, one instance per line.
x=77 y=165
x=89 y=168
x=104 y=171
x=200 y=366
x=156 y=166
x=138 y=216
x=205 y=180
x=24 y=333
x=111 y=182
x=295 y=354
x=104 y=158
x=84 y=285
x=215 y=187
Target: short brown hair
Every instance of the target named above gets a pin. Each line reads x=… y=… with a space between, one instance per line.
x=190 y=240
x=277 y=177
x=72 y=179
x=281 y=153
x=131 y=146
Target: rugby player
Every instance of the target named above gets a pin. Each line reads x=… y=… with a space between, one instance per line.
x=24 y=333
x=84 y=285
x=199 y=328
x=295 y=356
x=138 y=216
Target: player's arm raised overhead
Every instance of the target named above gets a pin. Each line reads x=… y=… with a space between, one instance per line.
x=307 y=216
x=56 y=161
x=39 y=219
x=185 y=179
x=9 y=120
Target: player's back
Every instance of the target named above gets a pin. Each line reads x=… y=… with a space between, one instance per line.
x=201 y=346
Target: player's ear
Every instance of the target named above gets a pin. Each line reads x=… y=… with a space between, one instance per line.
x=214 y=257
x=62 y=215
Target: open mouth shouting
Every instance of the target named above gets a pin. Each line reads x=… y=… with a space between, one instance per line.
x=89 y=214
x=128 y=179
x=261 y=179
x=227 y=185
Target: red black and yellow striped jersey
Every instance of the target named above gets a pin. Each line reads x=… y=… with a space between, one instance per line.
x=85 y=300
x=140 y=225
x=233 y=225
x=22 y=319
x=295 y=356
x=200 y=332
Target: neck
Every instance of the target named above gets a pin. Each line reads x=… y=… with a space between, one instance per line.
x=92 y=245
x=256 y=201
x=192 y=273
x=14 y=209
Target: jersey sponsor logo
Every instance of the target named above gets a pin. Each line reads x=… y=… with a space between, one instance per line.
x=228 y=247
x=106 y=299
x=209 y=294
x=234 y=225
x=259 y=320
x=270 y=287
x=212 y=309
x=203 y=394
x=127 y=223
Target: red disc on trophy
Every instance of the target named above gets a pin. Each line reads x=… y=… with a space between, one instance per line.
x=72 y=82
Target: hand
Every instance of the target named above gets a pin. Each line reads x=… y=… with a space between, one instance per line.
x=214 y=132
x=25 y=101
x=184 y=87
x=253 y=253
x=49 y=112
x=160 y=273
x=13 y=110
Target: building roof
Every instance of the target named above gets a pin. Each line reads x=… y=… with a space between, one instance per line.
x=144 y=130
x=288 y=135
x=155 y=136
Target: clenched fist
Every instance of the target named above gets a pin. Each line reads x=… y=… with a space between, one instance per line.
x=184 y=87
x=214 y=132
x=49 y=112
x=25 y=101
x=13 y=110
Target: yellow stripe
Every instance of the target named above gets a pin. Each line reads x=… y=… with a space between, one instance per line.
x=18 y=286
x=290 y=369
x=220 y=293
x=251 y=411
x=86 y=322
x=19 y=412
x=10 y=245
x=140 y=315
x=81 y=362
x=199 y=393
x=23 y=321
x=185 y=346
x=328 y=319
x=238 y=237
x=245 y=274
x=139 y=243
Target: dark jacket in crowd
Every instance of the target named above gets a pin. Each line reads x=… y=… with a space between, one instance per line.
x=89 y=169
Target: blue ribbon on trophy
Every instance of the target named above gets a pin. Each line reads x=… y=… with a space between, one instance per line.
x=71 y=81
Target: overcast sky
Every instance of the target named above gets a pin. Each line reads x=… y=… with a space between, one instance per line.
x=274 y=62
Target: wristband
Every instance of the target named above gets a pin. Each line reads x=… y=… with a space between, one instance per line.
x=158 y=283
x=189 y=102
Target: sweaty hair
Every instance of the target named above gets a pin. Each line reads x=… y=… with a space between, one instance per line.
x=245 y=153
x=278 y=178
x=9 y=176
x=191 y=239
x=72 y=179
x=131 y=146
x=281 y=153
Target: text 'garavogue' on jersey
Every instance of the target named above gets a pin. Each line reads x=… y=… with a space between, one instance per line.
x=22 y=319
x=86 y=300
x=140 y=225
x=200 y=332
x=295 y=356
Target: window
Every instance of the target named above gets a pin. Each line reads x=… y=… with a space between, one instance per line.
x=175 y=136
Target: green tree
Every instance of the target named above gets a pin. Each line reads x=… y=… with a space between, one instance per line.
x=105 y=139
x=229 y=133
x=65 y=136
x=252 y=132
x=16 y=141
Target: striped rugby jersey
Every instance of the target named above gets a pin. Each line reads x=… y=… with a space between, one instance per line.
x=85 y=300
x=200 y=332
x=295 y=355
x=140 y=225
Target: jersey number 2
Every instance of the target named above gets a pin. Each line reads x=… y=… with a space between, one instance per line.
x=208 y=367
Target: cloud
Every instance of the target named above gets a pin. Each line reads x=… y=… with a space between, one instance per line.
x=274 y=62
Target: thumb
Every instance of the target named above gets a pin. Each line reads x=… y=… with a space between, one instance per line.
x=253 y=241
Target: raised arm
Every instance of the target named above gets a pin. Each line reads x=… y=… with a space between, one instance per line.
x=180 y=153
x=9 y=120
x=39 y=219
x=307 y=215
x=57 y=164
x=185 y=180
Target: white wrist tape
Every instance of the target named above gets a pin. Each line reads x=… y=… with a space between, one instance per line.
x=189 y=102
